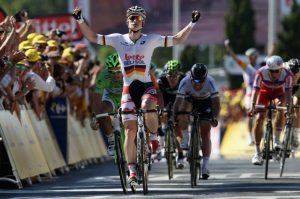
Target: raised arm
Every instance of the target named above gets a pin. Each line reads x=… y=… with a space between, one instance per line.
x=183 y=34
x=85 y=29
x=233 y=55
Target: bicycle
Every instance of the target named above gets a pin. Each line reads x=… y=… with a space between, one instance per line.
x=195 y=145
x=170 y=144
x=119 y=151
x=143 y=151
x=287 y=142
x=267 y=147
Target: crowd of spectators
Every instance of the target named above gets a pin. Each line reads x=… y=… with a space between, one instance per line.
x=35 y=68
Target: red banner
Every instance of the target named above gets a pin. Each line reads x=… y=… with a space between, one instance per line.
x=64 y=23
x=2 y=15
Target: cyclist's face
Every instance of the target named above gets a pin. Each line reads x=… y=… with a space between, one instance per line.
x=197 y=84
x=135 y=22
x=116 y=74
x=173 y=79
x=275 y=74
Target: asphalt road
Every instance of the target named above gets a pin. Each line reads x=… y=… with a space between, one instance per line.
x=229 y=179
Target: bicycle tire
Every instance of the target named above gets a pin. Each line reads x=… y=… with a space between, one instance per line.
x=267 y=148
x=286 y=142
x=144 y=167
x=169 y=154
x=121 y=162
x=192 y=158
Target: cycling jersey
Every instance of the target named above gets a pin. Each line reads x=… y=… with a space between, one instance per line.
x=105 y=82
x=110 y=90
x=264 y=83
x=135 y=57
x=296 y=81
x=248 y=74
x=208 y=90
x=269 y=88
x=169 y=94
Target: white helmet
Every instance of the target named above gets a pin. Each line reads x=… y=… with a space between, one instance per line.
x=274 y=62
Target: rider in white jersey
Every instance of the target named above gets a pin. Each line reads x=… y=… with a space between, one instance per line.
x=198 y=91
x=135 y=50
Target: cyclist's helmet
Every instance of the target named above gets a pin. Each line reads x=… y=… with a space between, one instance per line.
x=294 y=65
x=199 y=72
x=172 y=66
x=136 y=10
x=251 y=51
x=112 y=61
x=274 y=62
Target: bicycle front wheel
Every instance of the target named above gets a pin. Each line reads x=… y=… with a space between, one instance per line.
x=144 y=166
x=193 y=156
x=121 y=162
x=286 y=149
x=267 y=148
x=169 y=153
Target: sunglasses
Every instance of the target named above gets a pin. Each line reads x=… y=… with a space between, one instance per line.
x=173 y=76
x=198 y=81
x=137 y=17
x=114 y=71
x=274 y=71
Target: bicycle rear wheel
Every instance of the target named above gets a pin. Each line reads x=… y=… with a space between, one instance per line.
x=286 y=148
x=121 y=162
x=267 y=148
x=193 y=156
x=169 y=153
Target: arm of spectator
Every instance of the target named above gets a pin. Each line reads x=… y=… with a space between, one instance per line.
x=35 y=105
x=40 y=84
x=233 y=55
x=26 y=28
x=81 y=65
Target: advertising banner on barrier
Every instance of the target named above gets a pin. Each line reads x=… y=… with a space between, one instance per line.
x=57 y=113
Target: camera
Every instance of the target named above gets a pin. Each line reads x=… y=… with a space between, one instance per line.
x=59 y=33
x=21 y=15
x=44 y=57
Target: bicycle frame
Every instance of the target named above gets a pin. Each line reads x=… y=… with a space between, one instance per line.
x=267 y=147
x=170 y=144
x=287 y=141
x=143 y=151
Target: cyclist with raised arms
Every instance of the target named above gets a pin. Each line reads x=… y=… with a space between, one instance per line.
x=249 y=70
x=198 y=91
x=135 y=50
x=275 y=82
x=294 y=66
x=168 y=84
x=107 y=98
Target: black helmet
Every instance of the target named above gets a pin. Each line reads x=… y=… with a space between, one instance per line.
x=294 y=65
x=136 y=10
x=199 y=72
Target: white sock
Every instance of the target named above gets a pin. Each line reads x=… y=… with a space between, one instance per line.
x=161 y=141
x=257 y=148
x=251 y=139
x=277 y=135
